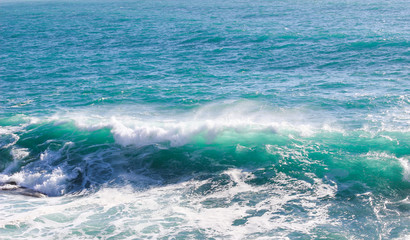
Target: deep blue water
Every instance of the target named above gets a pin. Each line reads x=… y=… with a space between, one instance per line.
x=205 y=120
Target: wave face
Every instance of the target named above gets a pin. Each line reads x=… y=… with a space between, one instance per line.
x=193 y=120
x=248 y=172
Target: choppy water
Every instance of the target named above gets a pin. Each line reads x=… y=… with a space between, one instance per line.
x=217 y=119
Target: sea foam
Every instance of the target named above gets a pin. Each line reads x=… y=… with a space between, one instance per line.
x=209 y=122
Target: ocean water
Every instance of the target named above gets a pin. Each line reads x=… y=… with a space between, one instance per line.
x=237 y=119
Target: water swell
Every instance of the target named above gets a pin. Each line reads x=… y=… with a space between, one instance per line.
x=71 y=153
x=230 y=170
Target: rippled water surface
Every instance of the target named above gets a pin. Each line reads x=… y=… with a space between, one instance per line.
x=205 y=120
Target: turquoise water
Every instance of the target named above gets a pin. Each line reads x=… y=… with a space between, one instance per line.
x=205 y=120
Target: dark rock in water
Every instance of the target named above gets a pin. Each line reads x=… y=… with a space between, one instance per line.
x=12 y=187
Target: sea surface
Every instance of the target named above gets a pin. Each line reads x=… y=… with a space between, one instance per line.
x=177 y=119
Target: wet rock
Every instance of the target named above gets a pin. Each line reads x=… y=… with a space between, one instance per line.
x=12 y=187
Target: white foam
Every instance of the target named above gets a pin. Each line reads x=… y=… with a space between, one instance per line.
x=405 y=163
x=239 y=148
x=167 y=211
x=41 y=175
x=210 y=123
x=19 y=153
x=9 y=134
x=52 y=184
x=50 y=156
